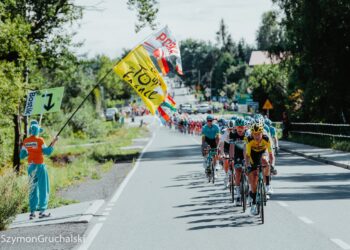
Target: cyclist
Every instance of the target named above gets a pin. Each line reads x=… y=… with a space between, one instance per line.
x=237 y=132
x=210 y=137
x=225 y=146
x=273 y=133
x=257 y=144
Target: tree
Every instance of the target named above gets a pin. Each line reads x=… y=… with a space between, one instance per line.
x=270 y=35
x=318 y=38
x=224 y=39
x=270 y=82
x=146 y=13
x=39 y=28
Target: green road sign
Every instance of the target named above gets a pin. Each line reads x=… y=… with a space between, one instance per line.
x=44 y=101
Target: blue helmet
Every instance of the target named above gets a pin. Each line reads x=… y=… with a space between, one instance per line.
x=268 y=122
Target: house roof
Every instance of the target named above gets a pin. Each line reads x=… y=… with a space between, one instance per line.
x=262 y=57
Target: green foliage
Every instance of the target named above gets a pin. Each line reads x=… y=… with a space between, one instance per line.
x=318 y=38
x=271 y=35
x=219 y=65
x=14 y=192
x=146 y=13
x=270 y=82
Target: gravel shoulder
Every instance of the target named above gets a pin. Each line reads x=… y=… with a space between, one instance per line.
x=67 y=236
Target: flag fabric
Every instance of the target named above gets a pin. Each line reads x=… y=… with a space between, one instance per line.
x=170 y=100
x=138 y=70
x=163 y=114
x=163 y=47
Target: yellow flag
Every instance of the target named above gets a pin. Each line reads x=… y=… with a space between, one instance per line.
x=138 y=70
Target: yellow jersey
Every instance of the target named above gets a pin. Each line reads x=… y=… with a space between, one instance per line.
x=258 y=146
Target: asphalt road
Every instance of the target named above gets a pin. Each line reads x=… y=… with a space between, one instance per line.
x=166 y=203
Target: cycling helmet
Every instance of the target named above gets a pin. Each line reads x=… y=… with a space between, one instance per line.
x=234 y=117
x=210 y=118
x=257 y=127
x=258 y=116
x=268 y=122
x=231 y=124
x=240 y=122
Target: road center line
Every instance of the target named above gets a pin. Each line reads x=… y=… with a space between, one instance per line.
x=283 y=204
x=90 y=237
x=341 y=243
x=305 y=220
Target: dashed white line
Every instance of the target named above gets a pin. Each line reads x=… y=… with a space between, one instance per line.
x=305 y=220
x=105 y=213
x=110 y=204
x=108 y=209
x=91 y=236
x=102 y=219
x=283 y=204
x=341 y=243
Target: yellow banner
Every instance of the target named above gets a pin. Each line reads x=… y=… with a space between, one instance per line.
x=138 y=70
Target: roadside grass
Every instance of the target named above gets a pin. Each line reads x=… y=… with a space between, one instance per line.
x=14 y=193
x=67 y=166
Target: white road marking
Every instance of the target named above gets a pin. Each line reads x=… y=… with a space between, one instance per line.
x=341 y=243
x=102 y=219
x=108 y=209
x=283 y=204
x=305 y=220
x=91 y=210
x=110 y=204
x=97 y=227
x=131 y=173
x=91 y=236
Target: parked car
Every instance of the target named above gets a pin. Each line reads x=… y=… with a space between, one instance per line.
x=185 y=108
x=204 y=108
x=112 y=114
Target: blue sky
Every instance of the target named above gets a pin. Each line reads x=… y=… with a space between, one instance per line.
x=111 y=28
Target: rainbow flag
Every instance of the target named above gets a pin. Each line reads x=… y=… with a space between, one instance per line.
x=163 y=114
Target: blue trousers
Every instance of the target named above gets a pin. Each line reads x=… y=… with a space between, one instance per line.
x=39 y=187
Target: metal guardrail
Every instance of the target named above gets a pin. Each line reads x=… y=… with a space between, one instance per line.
x=321 y=129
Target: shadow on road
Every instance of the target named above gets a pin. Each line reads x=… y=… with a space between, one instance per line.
x=169 y=154
x=212 y=207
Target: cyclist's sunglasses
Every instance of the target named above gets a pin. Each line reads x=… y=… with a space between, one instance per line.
x=209 y=120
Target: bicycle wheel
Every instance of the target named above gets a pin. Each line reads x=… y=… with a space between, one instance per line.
x=243 y=191
x=232 y=185
x=262 y=201
x=257 y=199
x=208 y=171
x=212 y=172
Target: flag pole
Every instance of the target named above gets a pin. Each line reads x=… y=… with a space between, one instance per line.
x=81 y=104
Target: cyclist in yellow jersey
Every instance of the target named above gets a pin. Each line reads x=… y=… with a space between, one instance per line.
x=257 y=144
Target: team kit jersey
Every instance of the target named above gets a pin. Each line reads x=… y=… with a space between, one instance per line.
x=210 y=132
x=255 y=150
x=239 y=144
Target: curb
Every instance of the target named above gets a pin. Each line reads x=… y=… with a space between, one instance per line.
x=319 y=159
x=91 y=211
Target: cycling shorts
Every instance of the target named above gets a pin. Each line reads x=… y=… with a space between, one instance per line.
x=211 y=142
